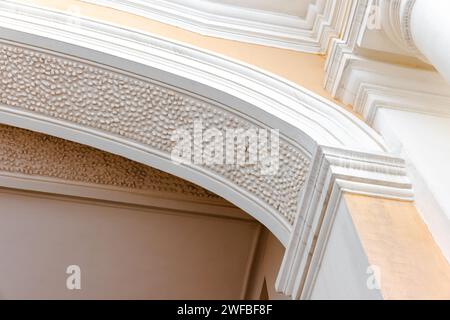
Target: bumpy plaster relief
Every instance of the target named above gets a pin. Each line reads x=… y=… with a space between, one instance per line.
x=31 y=153
x=142 y=111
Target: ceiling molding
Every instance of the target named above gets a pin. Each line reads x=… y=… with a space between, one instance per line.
x=355 y=78
x=310 y=34
x=377 y=67
x=397 y=24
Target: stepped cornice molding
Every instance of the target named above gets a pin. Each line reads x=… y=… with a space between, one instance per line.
x=309 y=34
x=333 y=172
x=342 y=49
x=368 y=85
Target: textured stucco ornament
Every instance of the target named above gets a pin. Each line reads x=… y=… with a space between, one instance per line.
x=36 y=154
x=140 y=110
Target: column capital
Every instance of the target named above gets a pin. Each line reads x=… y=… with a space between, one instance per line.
x=396 y=21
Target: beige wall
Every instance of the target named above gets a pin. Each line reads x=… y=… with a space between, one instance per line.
x=123 y=251
x=396 y=239
x=379 y=249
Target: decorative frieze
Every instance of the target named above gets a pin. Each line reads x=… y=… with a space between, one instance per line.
x=140 y=110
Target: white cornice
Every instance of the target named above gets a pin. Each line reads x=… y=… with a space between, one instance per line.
x=309 y=34
x=368 y=84
x=342 y=49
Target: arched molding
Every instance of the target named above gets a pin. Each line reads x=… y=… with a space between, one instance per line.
x=124 y=92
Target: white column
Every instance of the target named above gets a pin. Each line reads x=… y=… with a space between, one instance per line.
x=430 y=31
x=422 y=28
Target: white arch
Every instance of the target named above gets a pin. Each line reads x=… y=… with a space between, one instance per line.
x=306 y=121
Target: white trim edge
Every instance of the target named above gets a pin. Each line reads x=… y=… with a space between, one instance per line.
x=310 y=34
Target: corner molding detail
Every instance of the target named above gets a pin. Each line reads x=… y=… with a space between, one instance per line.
x=368 y=84
x=370 y=88
x=333 y=172
x=341 y=49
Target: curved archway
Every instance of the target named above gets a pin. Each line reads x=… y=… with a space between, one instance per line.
x=125 y=92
